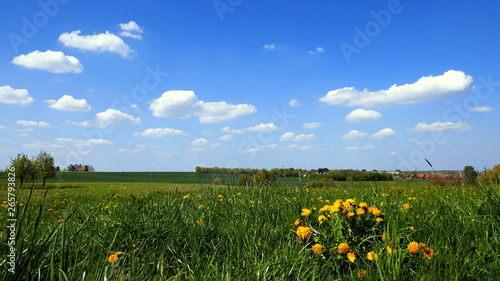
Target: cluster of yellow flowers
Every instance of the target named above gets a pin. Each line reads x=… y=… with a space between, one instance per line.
x=414 y=248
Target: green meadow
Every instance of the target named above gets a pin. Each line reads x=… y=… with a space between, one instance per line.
x=138 y=226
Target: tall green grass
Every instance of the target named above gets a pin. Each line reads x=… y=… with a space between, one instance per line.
x=220 y=233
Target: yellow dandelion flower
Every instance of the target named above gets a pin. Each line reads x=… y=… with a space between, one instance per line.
x=305 y=212
x=49 y=210
x=200 y=207
x=199 y=221
x=351 y=214
x=391 y=250
x=220 y=196
x=406 y=206
x=428 y=253
x=375 y=211
x=372 y=256
x=379 y=219
x=322 y=218
x=114 y=257
x=298 y=222
x=317 y=248
x=351 y=257
x=413 y=247
x=411 y=228
x=343 y=248
x=59 y=221
x=362 y=273
x=363 y=205
x=303 y=232
x=360 y=211
x=383 y=237
x=422 y=245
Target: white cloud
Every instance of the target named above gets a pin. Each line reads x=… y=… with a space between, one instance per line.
x=294 y=103
x=215 y=112
x=263 y=128
x=451 y=83
x=226 y=137
x=131 y=29
x=297 y=138
x=352 y=148
x=183 y=104
x=287 y=136
x=354 y=134
x=384 y=133
x=55 y=62
x=228 y=129
x=441 y=126
x=102 y=42
x=108 y=118
x=366 y=147
x=317 y=50
x=69 y=103
x=14 y=96
x=269 y=47
x=41 y=124
x=312 y=125
x=393 y=153
x=359 y=115
x=481 y=109
x=199 y=142
x=174 y=104
x=159 y=132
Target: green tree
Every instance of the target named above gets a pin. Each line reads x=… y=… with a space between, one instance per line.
x=24 y=167
x=470 y=174
x=44 y=163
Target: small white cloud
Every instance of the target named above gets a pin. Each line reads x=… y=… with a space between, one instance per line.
x=131 y=29
x=130 y=35
x=41 y=124
x=317 y=50
x=107 y=118
x=200 y=142
x=352 y=148
x=481 y=109
x=269 y=47
x=216 y=112
x=294 y=103
x=226 y=137
x=368 y=146
x=441 y=126
x=102 y=42
x=312 y=125
x=55 y=62
x=69 y=103
x=393 y=153
x=14 y=96
x=354 y=134
x=263 y=128
x=228 y=129
x=297 y=138
x=384 y=133
x=359 y=115
x=451 y=83
x=159 y=132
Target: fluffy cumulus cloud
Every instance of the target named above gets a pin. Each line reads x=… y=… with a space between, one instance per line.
x=102 y=42
x=360 y=115
x=384 y=133
x=312 y=125
x=294 y=103
x=69 y=103
x=131 y=29
x=441 y=126
x=297 y=138
x=52 y=61
x=183 y=104
x=265 y=127
x=159 y=132
x=107 y=118
x=481 y=109
x=451 y=83
x=226 y=137
x=10 y=95
x=26 y=123
x=354 y=134
x=216 y=112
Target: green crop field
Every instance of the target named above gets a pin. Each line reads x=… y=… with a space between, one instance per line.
x=125 y=226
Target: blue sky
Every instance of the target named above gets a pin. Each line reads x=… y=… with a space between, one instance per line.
x=170 y=85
